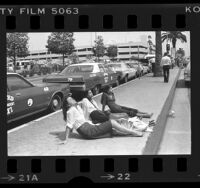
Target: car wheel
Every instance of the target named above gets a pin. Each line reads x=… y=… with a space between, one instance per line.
x=56 y=103
x=96 y=90
x=126 y=79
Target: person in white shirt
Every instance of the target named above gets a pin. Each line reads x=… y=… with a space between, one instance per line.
x=93 y=113
x=166 y=63
x=73 y=115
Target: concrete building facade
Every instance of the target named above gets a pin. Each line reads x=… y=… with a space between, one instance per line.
x=126 y=51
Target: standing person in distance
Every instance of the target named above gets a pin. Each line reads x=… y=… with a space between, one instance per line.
x=166 y=63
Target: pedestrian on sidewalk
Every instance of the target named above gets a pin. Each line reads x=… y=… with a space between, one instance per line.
x=108 y=98
x=152 y=61
x=166 y=63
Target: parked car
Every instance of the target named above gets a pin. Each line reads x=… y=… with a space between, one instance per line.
x=146 y=69
x=86 y=76
x=187 y=74
x=24 y=98
x=126 y=72
x=137 y=66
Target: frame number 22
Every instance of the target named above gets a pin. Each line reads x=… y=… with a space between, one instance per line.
x=123 y=177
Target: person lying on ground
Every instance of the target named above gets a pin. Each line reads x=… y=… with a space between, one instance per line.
x=74 y=117
x=108 y=98
x=92 y=111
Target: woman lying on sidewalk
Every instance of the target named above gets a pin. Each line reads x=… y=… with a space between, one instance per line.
x=93 y=113
x=108 y=98
x=74 y=117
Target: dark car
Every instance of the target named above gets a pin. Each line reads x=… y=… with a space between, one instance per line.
x=24 y=98
x=86 y=76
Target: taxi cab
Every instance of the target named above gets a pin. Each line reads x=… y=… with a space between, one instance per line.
x=24 y=98
x=86 y=76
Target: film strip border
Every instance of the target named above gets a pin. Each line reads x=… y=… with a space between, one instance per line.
x=116 y=168
x=102 y=18
x=133 y=164
x=107 y=22
x=98 y=169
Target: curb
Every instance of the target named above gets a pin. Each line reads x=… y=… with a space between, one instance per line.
x=154 y=140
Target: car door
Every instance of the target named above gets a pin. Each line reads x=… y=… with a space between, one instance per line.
x=129 y=70
x=17 y=104
x=26 y=97
x=112 y=76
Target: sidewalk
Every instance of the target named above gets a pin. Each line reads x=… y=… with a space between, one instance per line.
x=43 y=137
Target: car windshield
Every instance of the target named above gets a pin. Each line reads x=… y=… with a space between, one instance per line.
x=78 y=69
x=133 y=65
x=116 y=67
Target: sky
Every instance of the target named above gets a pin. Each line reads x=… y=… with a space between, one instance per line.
x=38 y=41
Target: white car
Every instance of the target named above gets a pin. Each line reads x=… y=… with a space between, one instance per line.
x=145 y=69
x=126 y=71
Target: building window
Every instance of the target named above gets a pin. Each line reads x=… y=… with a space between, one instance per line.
x=82 y=50
x=123 y=46
x=82 y=55
x=124 y=53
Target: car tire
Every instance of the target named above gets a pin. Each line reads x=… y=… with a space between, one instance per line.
x=56 y=103
x=96 y=90
x=126 y=79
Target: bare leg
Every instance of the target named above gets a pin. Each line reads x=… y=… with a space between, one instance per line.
x=117 y=133
x=122 y=129
x=144 y=115
x=118 y=115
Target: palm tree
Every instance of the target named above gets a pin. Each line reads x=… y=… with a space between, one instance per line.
x=158 y=70
x=173 y=36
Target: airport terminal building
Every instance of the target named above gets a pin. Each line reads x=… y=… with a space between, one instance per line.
x=126 y=51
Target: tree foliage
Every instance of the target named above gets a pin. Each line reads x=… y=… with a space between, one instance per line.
x=99 y=48
x=17 y=46
x=60 y=43
x=112 y=51
x=173 y=36
x=74 y=58
x=181 y=52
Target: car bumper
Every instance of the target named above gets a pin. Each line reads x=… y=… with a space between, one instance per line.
x=78 y=87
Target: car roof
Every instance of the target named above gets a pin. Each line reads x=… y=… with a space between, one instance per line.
x=12 y=73
x=85 y=64
x=116 y=63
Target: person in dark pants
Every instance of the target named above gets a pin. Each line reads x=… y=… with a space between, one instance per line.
x=108 y=98
x=153 y=61
x=166 y=63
